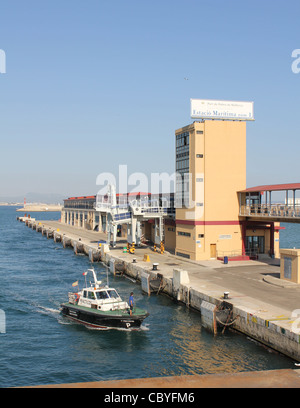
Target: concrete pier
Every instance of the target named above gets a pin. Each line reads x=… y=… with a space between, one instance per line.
x=264 y=308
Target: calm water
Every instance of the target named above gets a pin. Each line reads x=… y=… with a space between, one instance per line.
x=290 y=237
x=41 y=347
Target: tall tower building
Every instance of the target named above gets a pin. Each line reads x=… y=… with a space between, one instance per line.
x=211 y=169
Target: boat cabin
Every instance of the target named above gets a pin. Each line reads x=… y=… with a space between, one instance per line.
x=101 y=298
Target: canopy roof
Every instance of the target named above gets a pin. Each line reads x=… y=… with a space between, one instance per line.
x=274 y=187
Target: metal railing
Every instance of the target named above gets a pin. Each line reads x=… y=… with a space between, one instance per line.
x=145 y=206
x=252 y=253
x=270 y=210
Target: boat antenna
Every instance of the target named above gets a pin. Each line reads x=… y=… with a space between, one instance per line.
x=107 y=276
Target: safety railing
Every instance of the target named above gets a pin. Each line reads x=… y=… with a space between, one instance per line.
x=251 y=253
x=144 y=206
x=270 y=210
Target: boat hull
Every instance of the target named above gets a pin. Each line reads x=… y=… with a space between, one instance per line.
x=103 y=320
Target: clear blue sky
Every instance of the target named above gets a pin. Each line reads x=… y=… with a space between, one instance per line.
x=97 y=83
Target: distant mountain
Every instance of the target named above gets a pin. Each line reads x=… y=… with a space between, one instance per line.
x=48 y=198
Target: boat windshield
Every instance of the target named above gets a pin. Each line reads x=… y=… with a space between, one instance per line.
x=113 y=294
x=102 y=295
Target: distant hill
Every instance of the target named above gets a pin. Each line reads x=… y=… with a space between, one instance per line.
x=50 y=198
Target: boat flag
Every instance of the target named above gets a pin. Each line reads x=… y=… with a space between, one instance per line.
x=75 y=283
x=84 y=273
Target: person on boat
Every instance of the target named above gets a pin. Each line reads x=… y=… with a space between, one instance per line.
x=131 y=303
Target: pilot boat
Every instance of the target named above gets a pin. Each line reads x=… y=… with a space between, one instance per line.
x=101 y=307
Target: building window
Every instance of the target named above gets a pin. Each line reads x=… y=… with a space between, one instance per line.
x=182 y=169
x=200 y=235
x=199 y=180
x=199 y=132
x=199 y=156
x=183 y=255
x=184 y=234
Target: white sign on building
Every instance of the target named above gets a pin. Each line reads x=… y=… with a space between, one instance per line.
x=211 y=109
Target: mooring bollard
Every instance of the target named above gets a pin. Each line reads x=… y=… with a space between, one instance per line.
x=155 y=266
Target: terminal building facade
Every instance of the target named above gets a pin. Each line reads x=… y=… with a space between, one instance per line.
x=205 y=220
x=215 y=157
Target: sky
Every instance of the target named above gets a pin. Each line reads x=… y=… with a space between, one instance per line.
x=91 y=85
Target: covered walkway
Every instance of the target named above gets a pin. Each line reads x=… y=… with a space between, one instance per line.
x=256 y=203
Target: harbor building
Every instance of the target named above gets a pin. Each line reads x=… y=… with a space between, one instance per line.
x=209 y=223
x=213 y=152
x=85 y=212
x=212 y=214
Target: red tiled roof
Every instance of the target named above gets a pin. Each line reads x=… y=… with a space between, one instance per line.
x=81 y=198
x=273 y=187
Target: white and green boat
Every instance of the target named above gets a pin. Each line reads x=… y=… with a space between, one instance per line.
x=101 y=307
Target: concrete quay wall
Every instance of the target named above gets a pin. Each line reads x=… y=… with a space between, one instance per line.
x=273 y=334
x=276 y=330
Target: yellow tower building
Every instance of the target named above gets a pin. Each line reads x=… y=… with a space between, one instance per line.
x=213 y=152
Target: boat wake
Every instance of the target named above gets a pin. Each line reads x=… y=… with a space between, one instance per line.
x=47 y=310
x=144 y=327
x=29 y=305
x=55 y=313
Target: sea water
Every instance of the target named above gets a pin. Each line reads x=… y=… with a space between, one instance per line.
x=40 y=347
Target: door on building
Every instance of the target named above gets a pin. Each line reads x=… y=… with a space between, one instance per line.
x=213 y=250
x=255 y=245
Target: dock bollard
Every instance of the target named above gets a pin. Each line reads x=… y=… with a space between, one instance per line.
x=155 y=266
x=226 y=294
